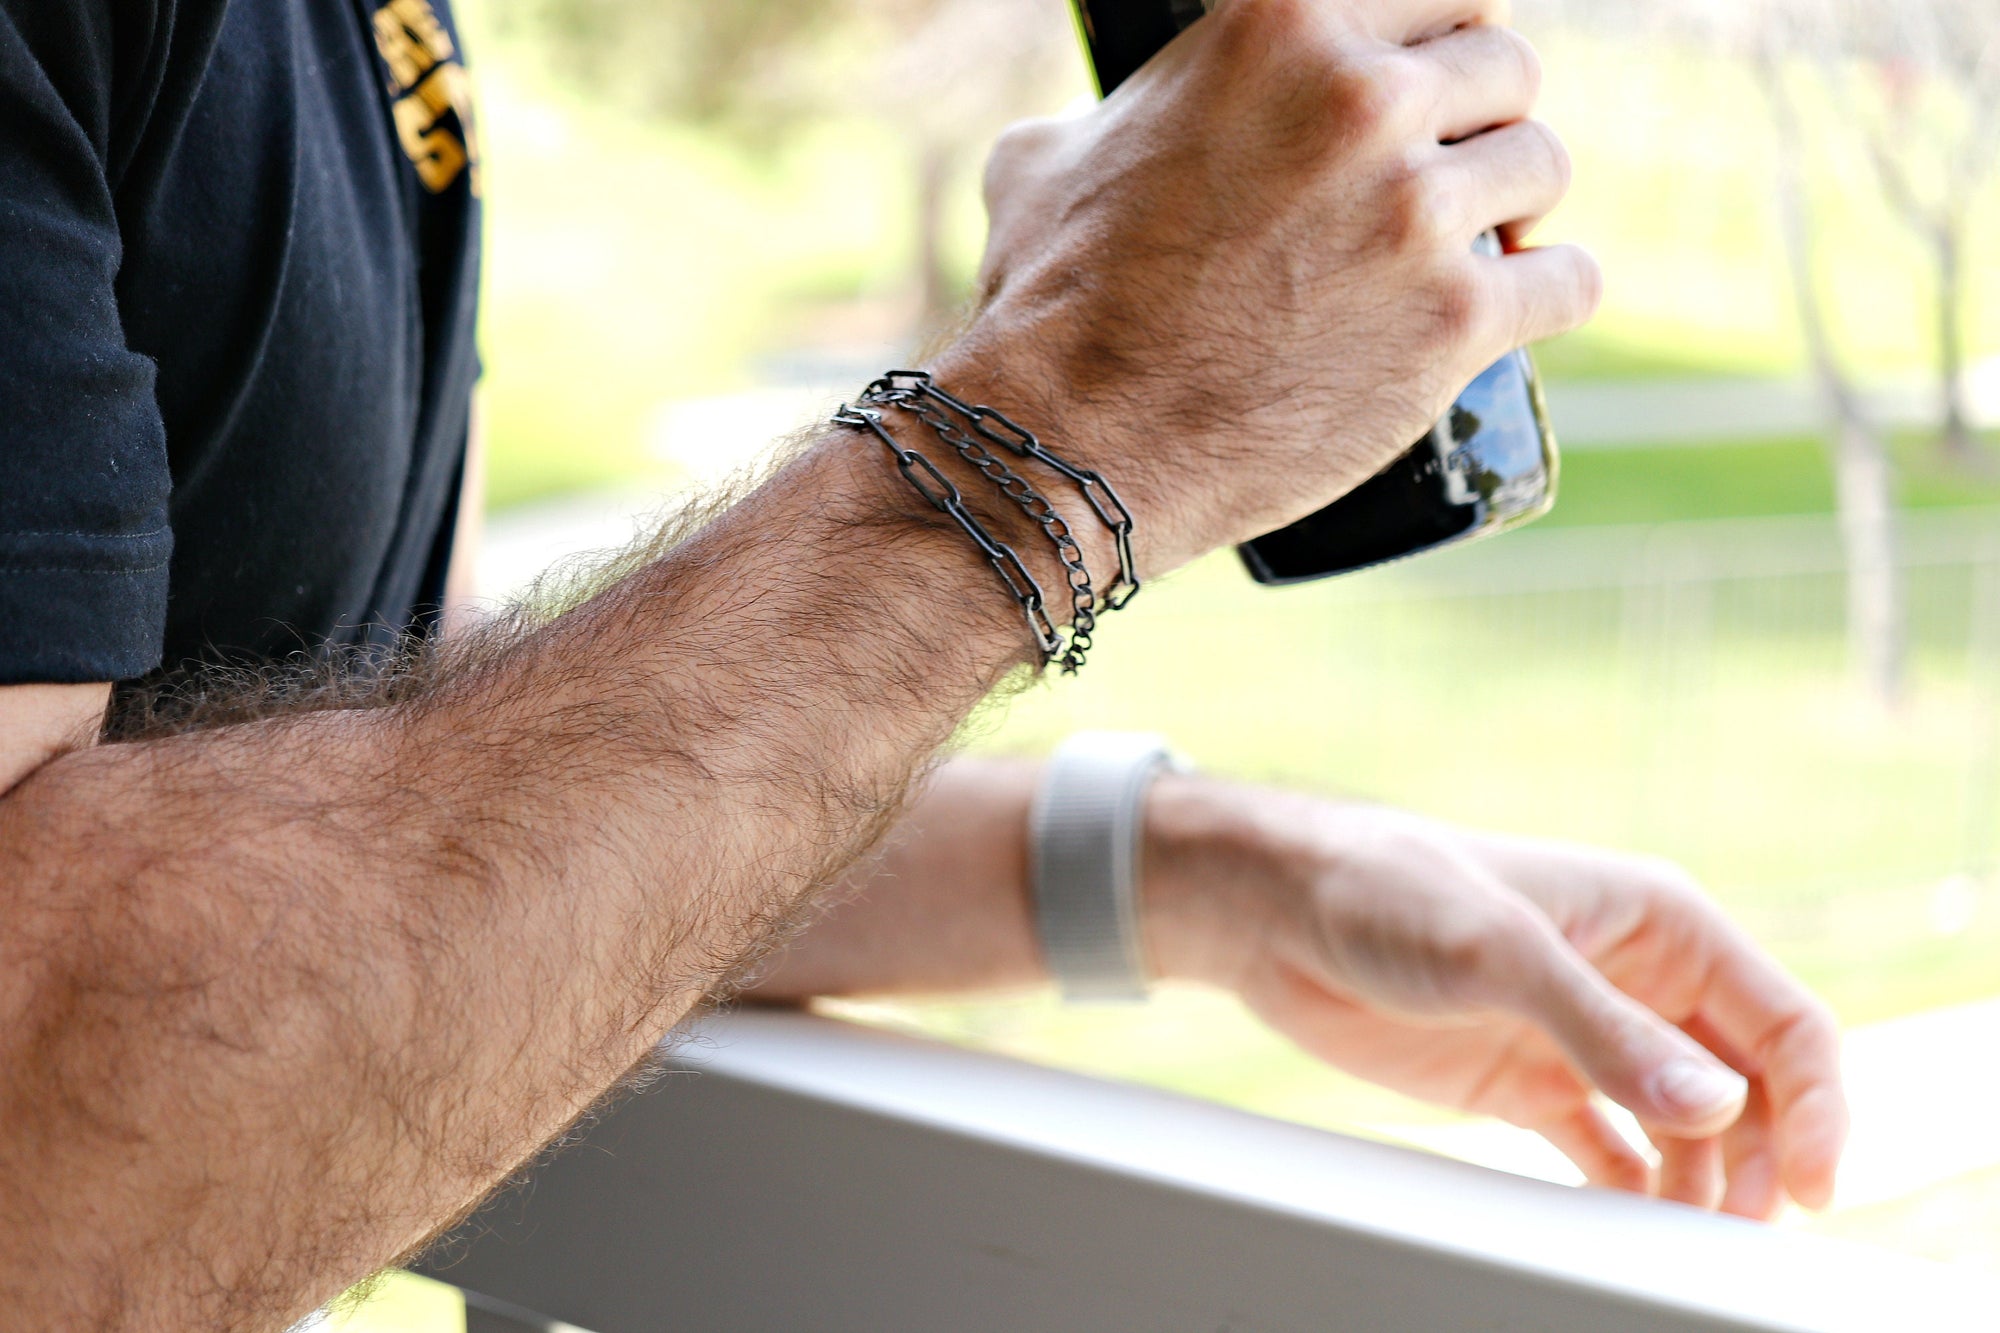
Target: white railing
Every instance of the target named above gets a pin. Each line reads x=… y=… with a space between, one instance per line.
x=802 y=1174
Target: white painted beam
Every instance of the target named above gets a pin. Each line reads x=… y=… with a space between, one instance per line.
x=817 y=1176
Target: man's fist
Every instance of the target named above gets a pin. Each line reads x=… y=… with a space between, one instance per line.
x=1246 y=282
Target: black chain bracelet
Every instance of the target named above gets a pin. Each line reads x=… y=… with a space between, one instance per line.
x=1016 y=488
x=995 y=426
x=916 y=393
x=924 y=477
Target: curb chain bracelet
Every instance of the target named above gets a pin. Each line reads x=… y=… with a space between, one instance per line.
x=924 y=477
x=917 y=394
x=996 y=427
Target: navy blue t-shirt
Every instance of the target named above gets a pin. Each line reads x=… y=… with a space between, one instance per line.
x=238 y=260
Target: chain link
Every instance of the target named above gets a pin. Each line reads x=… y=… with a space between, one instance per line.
x=996 y=427
x=944 y=496
x=916 y=393
x=1069 y=553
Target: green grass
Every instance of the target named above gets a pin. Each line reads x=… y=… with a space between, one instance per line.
x=630 y=265
x=1745 y=479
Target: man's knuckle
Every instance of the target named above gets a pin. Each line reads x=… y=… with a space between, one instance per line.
x=1467 y=956
x=1459 y=306
x=1415 y=845
x=1015 y=157
x=1369 y=99
x=1557 y=162
x=1667 y=882
x=1411 y=199
x=1485 y=953
x=1023 y=139
x=1274 y=22
x=1248 y=36
x=1816 y=1031
x=1528 y=61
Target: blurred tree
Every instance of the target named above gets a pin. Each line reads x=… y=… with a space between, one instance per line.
x=1778 y=39
x=1864 y=474
x=961 y=70
x=1932 y=131
x=1933 y=134
x=942 y=76
x=712 y=62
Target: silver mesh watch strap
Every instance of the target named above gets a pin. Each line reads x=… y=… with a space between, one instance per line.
x=1084 y=834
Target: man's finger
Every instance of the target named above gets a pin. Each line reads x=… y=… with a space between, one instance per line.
x=1477 y=78
x=1543 y=292
x=1691 y=1170
x=1791 y=1043
x=1800 y=1067
x=1514 y=174
x=1750 y=1162
x=1406 y=21
x=1588 y=1138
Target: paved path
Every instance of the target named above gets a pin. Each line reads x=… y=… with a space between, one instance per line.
x=1655 y=412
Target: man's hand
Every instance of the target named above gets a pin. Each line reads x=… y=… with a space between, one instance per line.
x=1512 y=978
x=1502 y=976
x=1246 y=282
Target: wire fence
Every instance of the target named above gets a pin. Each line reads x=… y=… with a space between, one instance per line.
x=1681 y=689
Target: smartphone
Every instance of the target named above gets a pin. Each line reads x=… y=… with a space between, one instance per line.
x=1490 y=465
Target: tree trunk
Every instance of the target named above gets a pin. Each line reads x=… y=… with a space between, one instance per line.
x=937 y=295
x=1957 y=441
x=1864 y=485
x=1863 y=474
x=1941 y=226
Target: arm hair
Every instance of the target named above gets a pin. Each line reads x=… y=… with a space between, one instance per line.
x=311 y=958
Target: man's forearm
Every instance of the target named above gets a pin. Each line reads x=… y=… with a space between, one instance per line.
x=277 y=999
x=942 y=907
x=945 y=906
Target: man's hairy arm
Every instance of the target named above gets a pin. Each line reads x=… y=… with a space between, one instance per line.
x=38 y=722
x=277 y=998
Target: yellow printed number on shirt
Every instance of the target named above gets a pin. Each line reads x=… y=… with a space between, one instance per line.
x=433 y=108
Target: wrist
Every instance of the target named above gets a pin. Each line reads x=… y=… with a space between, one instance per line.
x=1016 y=368
x=911 y=548
x=1216 y=884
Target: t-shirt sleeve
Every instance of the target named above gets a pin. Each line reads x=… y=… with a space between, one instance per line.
x=84 y=481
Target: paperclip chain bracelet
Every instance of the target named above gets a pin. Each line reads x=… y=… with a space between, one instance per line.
x=1016 y=488
x=916 y=393
x=939 y=490
x=905 y=386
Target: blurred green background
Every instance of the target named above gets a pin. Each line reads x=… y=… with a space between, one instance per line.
x=733 y=212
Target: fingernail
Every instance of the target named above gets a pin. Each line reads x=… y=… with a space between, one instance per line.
x=1694 y=1088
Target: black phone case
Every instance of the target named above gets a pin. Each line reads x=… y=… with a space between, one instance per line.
x=1490 y=465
